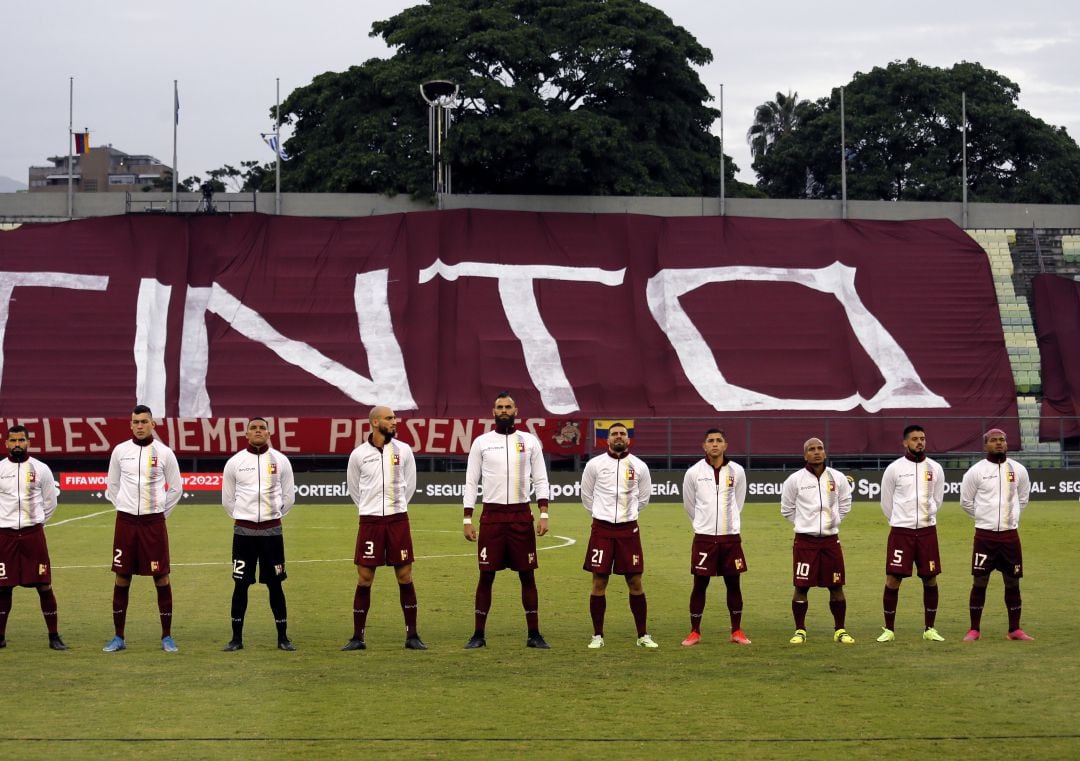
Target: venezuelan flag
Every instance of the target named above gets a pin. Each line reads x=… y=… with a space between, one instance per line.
x=600 y=430
x=82 y=142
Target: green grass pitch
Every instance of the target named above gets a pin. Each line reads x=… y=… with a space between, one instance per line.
x=906 y=699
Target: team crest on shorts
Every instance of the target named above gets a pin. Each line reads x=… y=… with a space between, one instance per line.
x=532 y=557
x=278 y=569
x=42 y=569
x=154 y=566
x=836 y=578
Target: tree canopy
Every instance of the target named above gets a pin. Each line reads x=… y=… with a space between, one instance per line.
x=904 y=142
x=591 y=97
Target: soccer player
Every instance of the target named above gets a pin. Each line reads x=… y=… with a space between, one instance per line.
x=816 y=498
x=510 y=463
x=27 y=502
x=257 y=491
x=615 y=487
x=912 y=489
x=382 y=479
x=995 y=492
x=144 y=484
x=714 y=491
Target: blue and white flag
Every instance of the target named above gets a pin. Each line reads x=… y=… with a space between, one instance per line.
x=271 y=140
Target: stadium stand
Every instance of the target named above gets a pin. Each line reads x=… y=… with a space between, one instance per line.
x=1015 y=257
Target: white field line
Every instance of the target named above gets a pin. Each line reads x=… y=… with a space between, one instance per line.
x=80 y=517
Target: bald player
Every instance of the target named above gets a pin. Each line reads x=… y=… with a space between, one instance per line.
x=815 y=499
x=382 y=479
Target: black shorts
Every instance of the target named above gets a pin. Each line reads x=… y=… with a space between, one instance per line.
x=266 y=550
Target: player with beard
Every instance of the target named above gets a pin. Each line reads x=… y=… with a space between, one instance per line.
x=995 y=492
x=27 y=502
x=912 y=490
x=382 y=479
x=510 y=464
x=615 y=487
x=257 y=492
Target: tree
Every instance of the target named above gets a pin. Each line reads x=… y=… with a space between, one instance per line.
x=904 y=142
x=163 y=183
x=774 y=119
x=558 y=96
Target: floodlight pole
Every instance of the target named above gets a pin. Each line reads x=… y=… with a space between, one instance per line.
x=963 y=180
x=843 y=160
x=442 y=97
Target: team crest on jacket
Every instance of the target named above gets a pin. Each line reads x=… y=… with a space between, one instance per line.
x=153 y=461
x=1011 y=476
x=395 y=459
x=731 y=482
x=31 y=476
x=929 y=475
x=630 y=476
x=521 y=446
x=272 y=469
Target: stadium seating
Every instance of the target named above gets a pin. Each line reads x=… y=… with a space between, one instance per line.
x=1020 y=339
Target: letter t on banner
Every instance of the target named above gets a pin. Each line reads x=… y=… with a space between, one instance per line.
x=518 y=298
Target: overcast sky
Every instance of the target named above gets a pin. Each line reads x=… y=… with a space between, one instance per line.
x=125 y=54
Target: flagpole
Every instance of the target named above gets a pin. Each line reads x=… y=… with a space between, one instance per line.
x=722 y=149
x=71 y=139
x=176 y=121
x=277 y=151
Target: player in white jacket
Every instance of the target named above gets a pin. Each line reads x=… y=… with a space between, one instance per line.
x=615 y=488
x=382 y=479
x=995 y=492
x=27 y=502
x=714 y=492
x=815 y=499
x=257 y=491
x=144 y=484
x=912 y=490
x=510 y=464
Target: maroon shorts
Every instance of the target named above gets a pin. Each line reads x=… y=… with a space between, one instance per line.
x=507 y=538
x=383 y=541
x=913 y=547
x=817 y=561
x=997 y=551
x=614 y=548
x=717 y=555
x=140 y=545
x=24 y=557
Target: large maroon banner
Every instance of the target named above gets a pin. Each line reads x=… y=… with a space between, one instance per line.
x=577 y=315
x=96 y=436
x=1056 y=302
